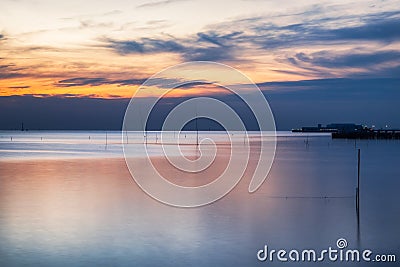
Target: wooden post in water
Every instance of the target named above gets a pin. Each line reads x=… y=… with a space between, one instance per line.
x=197 y=132
x=197 y=129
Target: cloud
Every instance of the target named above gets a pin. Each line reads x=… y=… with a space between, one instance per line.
x=203 y=46
x=97 y=81
x=237 y=39
x=144 y=46
x=371 y=84
x=85 y=24
x=81 y=82
x=210 y=38
x=211 y=46
x=313 y=32
x=330 y=59
x=186 y=49
x=159 y=3
x=19 y=87
x=128 y=81
x=261 y=33
x=374 y=30
x=112 y=12
x=10 y=71
x=209 y=54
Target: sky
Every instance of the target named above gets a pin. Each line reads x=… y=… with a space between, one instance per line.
x=71 y=64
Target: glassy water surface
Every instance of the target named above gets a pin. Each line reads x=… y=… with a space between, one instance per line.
x=67 y=199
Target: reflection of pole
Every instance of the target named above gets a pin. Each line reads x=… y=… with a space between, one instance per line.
x=106 y=140
x=358 y=196
x=358 y=181
x=358 y=229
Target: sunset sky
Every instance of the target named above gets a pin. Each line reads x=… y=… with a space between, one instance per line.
x=106 y=49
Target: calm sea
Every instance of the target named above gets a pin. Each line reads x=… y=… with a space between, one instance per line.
x=67 y=199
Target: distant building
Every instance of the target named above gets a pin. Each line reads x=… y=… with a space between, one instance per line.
x=331 y=128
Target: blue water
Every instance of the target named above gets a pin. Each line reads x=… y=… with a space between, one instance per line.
x=67 y=200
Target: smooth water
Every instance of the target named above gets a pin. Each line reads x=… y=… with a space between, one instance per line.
x=69 y=200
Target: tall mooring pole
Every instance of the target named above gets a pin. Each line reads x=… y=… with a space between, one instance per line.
x=358 y=180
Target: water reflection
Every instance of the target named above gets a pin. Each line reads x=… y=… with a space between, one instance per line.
x=89 y=211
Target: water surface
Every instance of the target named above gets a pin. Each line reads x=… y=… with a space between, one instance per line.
x=67 y=200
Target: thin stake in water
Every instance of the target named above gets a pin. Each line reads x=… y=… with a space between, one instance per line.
x=358 y=181
x=106 y=140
